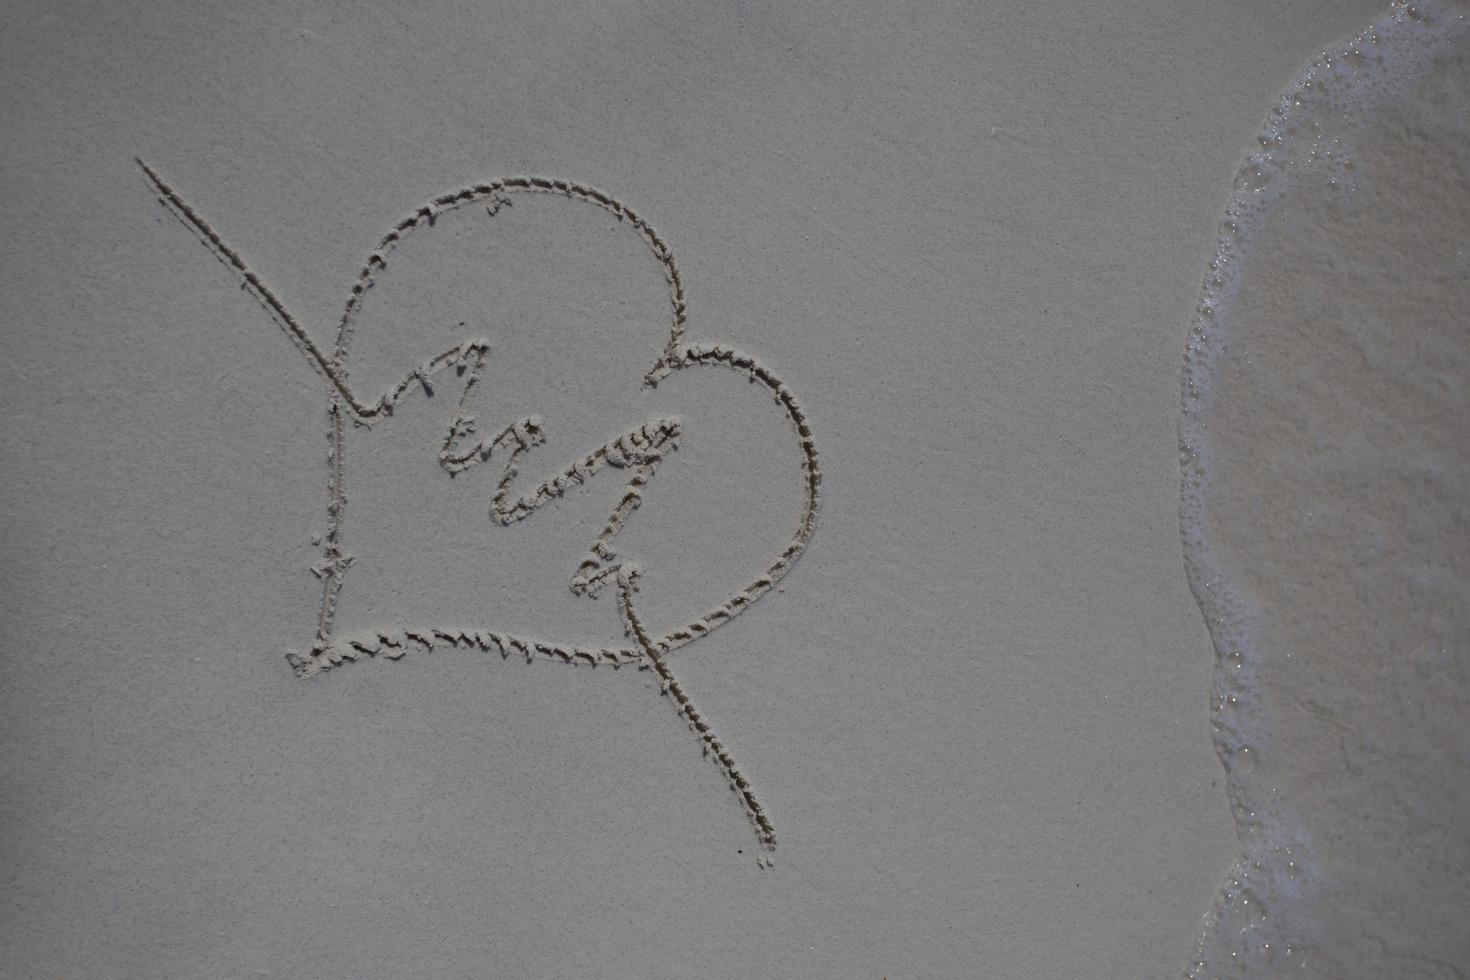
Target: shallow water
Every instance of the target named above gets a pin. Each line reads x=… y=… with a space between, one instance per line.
x=1326 y=451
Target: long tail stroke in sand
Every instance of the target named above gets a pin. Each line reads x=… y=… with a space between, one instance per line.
x=637 y=451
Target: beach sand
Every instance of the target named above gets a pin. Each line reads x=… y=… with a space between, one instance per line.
x=914 y=286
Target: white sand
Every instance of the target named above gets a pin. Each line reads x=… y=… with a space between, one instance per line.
x=976 y=710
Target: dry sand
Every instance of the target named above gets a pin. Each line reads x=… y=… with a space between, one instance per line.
x=960 y=245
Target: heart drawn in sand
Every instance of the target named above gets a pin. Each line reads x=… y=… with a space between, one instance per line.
x=633 y=456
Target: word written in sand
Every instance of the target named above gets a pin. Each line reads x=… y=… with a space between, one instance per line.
x=636 y=452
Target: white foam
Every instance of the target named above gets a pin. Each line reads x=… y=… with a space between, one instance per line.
x=1262 y=917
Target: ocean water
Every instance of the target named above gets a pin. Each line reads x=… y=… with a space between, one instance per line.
x=1325 y=512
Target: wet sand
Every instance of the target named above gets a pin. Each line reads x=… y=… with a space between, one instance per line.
x=1329 y=537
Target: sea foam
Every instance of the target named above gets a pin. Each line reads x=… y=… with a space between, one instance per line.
x=1291 y=899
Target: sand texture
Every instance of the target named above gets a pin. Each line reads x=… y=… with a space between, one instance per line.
x=630 y=490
